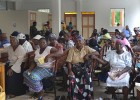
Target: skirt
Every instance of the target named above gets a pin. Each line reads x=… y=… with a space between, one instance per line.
x=34 y=79
x=81 y=88
x=14 y=84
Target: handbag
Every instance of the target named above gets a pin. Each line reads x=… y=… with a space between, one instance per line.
x=2 y=94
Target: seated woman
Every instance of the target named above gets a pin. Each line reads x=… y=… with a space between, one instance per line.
x=14 y=77
x=41 y=68
x=120 y=62
x=79 y=69
x=54 y=43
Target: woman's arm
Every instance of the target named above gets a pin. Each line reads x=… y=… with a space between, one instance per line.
x=54 y=53
x=126 y=69
x=69 y=69
x=98 y=59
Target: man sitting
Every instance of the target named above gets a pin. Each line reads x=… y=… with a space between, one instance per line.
x=4 y=42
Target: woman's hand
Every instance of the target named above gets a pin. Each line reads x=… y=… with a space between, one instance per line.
x=94 y=57
x=30 y=69
x=10 y=72
x=119 y=73
x=86 y=57
x=71 y=73
x=47 y=57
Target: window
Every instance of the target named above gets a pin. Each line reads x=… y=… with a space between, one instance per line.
x=117 y=17
x=44 y=10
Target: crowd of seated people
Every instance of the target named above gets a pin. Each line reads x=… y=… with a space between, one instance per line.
x=118 y=54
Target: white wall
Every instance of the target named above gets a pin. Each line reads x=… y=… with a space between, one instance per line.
x=32 y=4
x=14 y=21
x=102 y=11
x=41 y=19
x=67 y=6
x=101 y=8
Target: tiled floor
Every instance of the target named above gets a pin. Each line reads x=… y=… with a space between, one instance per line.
x=98 y=92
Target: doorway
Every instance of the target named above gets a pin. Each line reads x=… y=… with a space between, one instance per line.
x=88 y=24
x=71 y=17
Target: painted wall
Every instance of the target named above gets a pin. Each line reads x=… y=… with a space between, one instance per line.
x=101 y=8
x=14 y=21
x=66 y=5
x=32 y=4
x=102 y=12
x=20 y=21
x=41 y=19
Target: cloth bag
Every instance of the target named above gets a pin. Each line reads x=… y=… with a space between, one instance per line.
x=2 y=94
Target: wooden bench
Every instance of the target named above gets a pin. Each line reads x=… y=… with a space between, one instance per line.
x=2 y=75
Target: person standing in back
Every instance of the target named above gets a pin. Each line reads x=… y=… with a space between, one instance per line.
x=127 y=32
x=33 y=30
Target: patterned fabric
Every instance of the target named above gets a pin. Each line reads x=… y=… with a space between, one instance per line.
x=81 y=87
x=33 y=79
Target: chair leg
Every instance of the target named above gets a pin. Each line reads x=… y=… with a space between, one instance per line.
x=92 y=95
x=133 y=93
x=98 y=82
x=55 y=90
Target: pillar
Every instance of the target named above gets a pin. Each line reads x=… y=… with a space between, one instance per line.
x=56 y=16
x=79 y=16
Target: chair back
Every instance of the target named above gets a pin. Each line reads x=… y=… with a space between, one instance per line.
x=60 y=61
x=30 y=58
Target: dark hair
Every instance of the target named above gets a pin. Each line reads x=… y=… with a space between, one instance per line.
x=0 y=31
x=105 y=31
x=62 y=33
x=48 y=22
x=116 y=30
x=15 y=33
x=70 y=22
x=75 y=32
x=27 y=37
x=34 y=23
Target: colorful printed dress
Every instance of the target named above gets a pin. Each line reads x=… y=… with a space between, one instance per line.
x=80 y=86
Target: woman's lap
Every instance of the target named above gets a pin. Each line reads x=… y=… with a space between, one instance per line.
x=38 y=74
x=118 y=83
x=14 y=83
x=80 y=86
x=33 y=80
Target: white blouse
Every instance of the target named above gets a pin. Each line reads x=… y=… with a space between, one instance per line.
x=119 y=60
x=43 y=55
x=16 y=57
x=27 y=46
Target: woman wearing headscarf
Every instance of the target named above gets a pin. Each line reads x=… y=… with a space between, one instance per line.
x=14 y=77
x=120 y=64
x=79 y=70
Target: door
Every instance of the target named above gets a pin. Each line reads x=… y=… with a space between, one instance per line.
x=32 y=18
x=88 y=24
x=70 y=17
x=50 y=19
